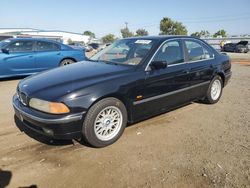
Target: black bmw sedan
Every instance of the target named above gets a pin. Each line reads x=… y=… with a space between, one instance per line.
x=130 y=80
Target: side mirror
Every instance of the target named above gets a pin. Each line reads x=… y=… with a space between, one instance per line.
x=158 y=65
x=6 y=51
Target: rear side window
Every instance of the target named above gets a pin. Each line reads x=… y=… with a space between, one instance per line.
x=197 y=51
x=47 y=46
x=20 y=46
x=170 y=52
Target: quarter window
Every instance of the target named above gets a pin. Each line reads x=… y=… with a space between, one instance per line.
x=170 y=52
x=196 y=51
x=20 y=46
x=46 y=46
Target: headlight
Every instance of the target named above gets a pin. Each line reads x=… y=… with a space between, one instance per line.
x=49 y=107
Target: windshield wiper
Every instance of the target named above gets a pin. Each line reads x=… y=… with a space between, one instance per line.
x=104 y=61
x=108 y=62
x=91 y=60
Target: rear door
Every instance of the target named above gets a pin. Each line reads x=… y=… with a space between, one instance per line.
x=48 y=55
x=19 y=60
x=164 y=89
x=200 y=66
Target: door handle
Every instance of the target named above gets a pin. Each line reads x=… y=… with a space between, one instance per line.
x=30 y=56
x=58 y=53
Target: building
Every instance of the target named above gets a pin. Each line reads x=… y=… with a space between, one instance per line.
x=15 y=30
x=64 y=36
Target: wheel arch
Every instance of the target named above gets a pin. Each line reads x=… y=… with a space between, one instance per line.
x=222 y=75
x=120 y=97
x=71 y=58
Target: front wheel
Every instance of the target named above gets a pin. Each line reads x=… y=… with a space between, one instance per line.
x=104 y=122
x=214 y=91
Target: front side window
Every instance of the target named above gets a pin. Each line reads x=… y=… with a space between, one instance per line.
x=20 y=46
x=125 y=51
x=196 y=51
x=46 y=46
x=170 y=52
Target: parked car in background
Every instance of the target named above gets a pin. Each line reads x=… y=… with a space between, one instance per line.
x=95 y=46
x=26 y=56
x=130 y=80
x=98 y=47
x=240 y=47
x=86 y=47
x=104 y=46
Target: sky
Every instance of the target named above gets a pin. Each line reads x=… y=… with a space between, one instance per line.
x=109 y=16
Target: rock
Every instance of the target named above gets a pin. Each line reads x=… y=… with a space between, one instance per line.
x=205 y=175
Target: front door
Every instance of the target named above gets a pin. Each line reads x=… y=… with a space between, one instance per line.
x=165 y=88
x=18 y=60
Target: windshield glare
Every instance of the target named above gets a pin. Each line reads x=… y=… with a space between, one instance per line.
x=125 y=51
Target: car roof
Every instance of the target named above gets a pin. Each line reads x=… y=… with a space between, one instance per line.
x=163 y=37
x=31 y=39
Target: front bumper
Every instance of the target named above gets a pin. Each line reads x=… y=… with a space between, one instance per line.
x=55 y=126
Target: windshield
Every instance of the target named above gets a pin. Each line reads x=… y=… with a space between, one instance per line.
x=125 y=51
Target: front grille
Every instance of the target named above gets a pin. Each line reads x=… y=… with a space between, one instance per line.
x=22 y=97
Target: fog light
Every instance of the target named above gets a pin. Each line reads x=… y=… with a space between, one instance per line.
x=48 y=131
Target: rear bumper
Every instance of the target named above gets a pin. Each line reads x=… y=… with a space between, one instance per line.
x=55 y=126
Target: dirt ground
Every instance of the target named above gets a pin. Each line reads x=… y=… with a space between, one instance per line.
x=194 y=146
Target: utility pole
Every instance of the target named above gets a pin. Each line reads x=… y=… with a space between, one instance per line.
x=126 y=23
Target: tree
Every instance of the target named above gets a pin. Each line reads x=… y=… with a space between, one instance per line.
x=202 y=33
x=196 y=34
x=141 y=32
x=221 y=32
x=108 y=38
x=126 y=33
x=89 y=33
x=170 y=27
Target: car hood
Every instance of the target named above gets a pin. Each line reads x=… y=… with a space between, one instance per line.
x=60 y=81
x=242 y=43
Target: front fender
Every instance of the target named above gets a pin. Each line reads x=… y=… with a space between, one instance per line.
x=123 y=88
x=82 y=102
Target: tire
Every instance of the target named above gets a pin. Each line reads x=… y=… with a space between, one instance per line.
x=66 y=62
x=114 y=116
x=214 y=91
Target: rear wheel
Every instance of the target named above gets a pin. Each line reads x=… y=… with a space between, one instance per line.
x=214 y=91
x=66 y=62
x=104 y=122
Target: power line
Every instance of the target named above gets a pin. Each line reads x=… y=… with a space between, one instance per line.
x=199 y=20
x=213 y=19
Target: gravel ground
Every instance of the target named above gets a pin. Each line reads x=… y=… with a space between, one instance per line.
x=194 y=146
